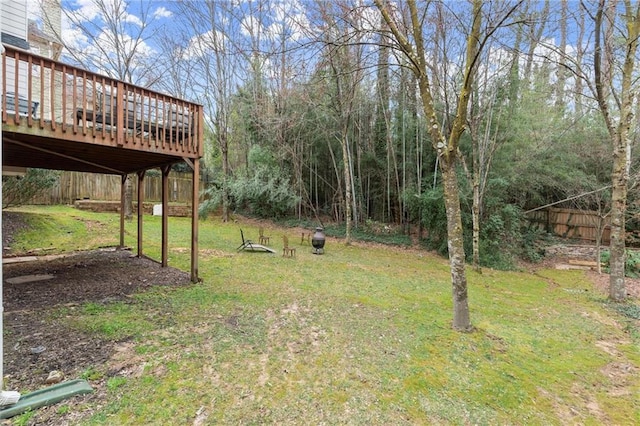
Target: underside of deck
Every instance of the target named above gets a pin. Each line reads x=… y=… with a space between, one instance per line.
x=34 y=147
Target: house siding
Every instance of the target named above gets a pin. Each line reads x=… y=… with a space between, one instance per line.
x=13 y=22
x=14 y=18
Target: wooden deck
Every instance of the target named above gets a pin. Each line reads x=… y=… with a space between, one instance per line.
x=57 y=116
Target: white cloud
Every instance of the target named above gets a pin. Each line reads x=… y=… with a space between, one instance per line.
x=250 y=26
x=204 y=43
x=86 y=10
x=133 y=19
x=289 y=17
x=162 y=12
x=34 y=11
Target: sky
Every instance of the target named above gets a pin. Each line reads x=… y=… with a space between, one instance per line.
x=288 y=17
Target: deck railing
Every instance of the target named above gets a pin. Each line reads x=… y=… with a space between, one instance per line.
x=73 y=103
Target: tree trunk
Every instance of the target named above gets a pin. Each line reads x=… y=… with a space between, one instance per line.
x=347 y=189
x=617 y=245
x=461 y=320
x=475 y=213
x=619 y=130
x=562 y=72
x=446 y=148
x=224 y=148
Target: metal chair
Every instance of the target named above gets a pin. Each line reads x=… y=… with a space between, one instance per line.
x=249 y=245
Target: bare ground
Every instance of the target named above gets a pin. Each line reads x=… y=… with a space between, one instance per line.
x=35 y=343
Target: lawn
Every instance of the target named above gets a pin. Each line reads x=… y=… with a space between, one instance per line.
x=359 y=335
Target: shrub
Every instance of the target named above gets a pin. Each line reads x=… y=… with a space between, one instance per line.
x=19 y=190
x=631 y=266
x=266 y=193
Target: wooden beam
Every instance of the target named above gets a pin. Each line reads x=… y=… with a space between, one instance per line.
x=123 y=181
x=189 y=162
x=140 y=210
x=194 y=220
x=165 y=215
x=69 y=157
x=119 y=107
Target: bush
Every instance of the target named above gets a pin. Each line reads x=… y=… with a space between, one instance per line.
x=631 y=266
x=500 y=238
x=434 y=219
x=264 y=194
x=262 y=190
x=19 y=190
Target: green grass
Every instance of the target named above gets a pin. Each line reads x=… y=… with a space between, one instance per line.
x=359 y=335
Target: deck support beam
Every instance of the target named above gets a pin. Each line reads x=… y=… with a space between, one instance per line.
x=165 y=215
x=140 y=210
x=123 y=181
x=194 y=219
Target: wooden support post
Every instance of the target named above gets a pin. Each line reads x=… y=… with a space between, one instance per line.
x=140 y=210
x=165 y=215
x=123 y=181
x=195 y=196
x=119 y=110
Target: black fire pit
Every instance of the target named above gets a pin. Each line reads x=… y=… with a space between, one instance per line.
x=317 y=241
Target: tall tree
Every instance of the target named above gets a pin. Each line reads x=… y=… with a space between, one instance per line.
x=106 y=37
x=413 y=47
x=345 y=70
x=214 y=55
x=615 y=95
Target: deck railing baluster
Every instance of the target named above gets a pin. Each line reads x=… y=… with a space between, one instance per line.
x=40 y=92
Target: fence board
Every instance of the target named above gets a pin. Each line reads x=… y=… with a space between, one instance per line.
x=569 y=223
x=74 y=186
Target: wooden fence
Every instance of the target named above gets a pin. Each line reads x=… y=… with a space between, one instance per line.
x=569 y=223
x=74 y=186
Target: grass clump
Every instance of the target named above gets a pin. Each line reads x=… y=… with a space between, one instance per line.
x=115 y=321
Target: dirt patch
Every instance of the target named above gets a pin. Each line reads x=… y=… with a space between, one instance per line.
x=12 y=223
x=36 y=342
x=601 y=284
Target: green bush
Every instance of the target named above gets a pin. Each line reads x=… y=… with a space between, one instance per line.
x=500 y=238
x=631 y=266
x=19 y=190
x=434 y=219
x=264 y=190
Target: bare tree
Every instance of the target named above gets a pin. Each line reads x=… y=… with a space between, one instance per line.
x=410 y=41
x=615 y=95
x=106 y=37
x=345 y=62
x=413 y=47
x=213 y=57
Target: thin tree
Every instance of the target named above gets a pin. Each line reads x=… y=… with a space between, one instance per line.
x=446 y=148
x=612 y=93
x=345 y=82
x=410 y=41
x=213 y=54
